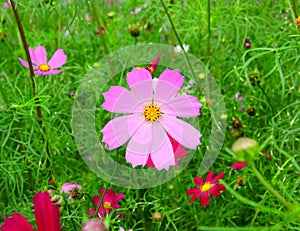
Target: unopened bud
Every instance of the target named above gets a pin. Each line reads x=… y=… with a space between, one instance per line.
x=157 y=216
x=245 y=149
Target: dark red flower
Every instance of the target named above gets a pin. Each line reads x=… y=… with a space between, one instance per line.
x=110 y=201
x=239 y=165
x=209 y=187
x=154 y=63
x=46 y=216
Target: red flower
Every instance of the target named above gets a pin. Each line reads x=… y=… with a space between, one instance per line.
x=239 y=165
x=46 y=216
x=179 y=152
x=109 y=202
x=154 y=63
x=209 y=187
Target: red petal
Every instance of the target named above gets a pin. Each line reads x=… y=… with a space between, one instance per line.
x=216 y=190
x=198 y=181
x=218 y=177
x=16 y=223
x=205 y=200
x=195 y=197
x=239 y=165
x=209 y=176
x=96 y=200
x=46 y=214
x=192 y=191
x=149 y=162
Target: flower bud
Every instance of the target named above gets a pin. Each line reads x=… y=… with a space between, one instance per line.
x=157 y=216
x=134 y=31
x=245 y=149
x=237 y=124
x=247 y=44
x=251 y=111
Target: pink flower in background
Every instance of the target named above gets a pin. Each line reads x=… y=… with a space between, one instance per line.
x=179 y=152
x=154 y=63
x=152 y=108
x=70 y=188
x=46 y=216
x=6 y=4
x=39 y=58
x=94 y=225
x=208 y=188
x=239 y=165
x=110 y=201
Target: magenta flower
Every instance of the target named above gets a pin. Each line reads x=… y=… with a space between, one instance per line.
x=70 y=188
x=208 y=188
x=6 y=4
x=46 y=216
x=39 y=58
x=152 y=108
x=109 y=202
x=239 y=165
x=154 y=63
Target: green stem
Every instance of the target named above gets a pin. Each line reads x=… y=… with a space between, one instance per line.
x=177 y=36
x=208 y=28
x=269 y=187
x=267 y=97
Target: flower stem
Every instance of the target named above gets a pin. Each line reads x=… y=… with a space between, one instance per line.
x=267 y=97
x=32 y=77
x=208 y=28
x=178 y=38
x=269 y=187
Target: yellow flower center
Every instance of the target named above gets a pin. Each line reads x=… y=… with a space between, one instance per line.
x=152 y=112
x=107 y=205
x=44 y=67
x=206 y=187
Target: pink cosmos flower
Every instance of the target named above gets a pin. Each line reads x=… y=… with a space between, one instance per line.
x=239 y=165
x=70 y=188
x=40 y=64
x=46 y=215
x=208 y=188
x=110 y=201
x=151 y=109
x=94 y=225
x=179 y=152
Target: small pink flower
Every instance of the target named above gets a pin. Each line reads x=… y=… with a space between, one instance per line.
x=88 y=17
x=70 y=188
x=6 y=4
x=208 y=188
x=46 y=216
x=109 y=202
x=94 y=225
x=239 y=165
x=151 y=109
x=39 y=58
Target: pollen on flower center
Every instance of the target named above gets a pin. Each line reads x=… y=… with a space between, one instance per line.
x=206 y=187
x=107 y=205
x=152 y=112
x=44 y=67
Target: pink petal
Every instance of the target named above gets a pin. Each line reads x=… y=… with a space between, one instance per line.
x=218 y=177
x=119 y=196
x=46 y=214
x=33 y=57
x=25 y=64
x=118 y=131
x=58 y=59
x=205 y=200
x=198 y=181
x=183 y=106
x=195 y=197
x=16 y=223
x=149 y=162
x=239 y=165
x=209 y=176
x=216 y=190
x=140 y=82
x=39 y=55
x=161 y=149
x=170 y=81
x=182 y=132
x=50 y=72
x=90 y=212
x=179 y=152
x=120 y=100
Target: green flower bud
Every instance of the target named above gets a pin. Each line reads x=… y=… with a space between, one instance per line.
x=157 y=216
x=245 y=149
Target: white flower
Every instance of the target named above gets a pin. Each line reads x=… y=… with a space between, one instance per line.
x=178 y=49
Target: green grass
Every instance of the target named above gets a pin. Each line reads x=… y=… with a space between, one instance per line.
x=273 y=57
